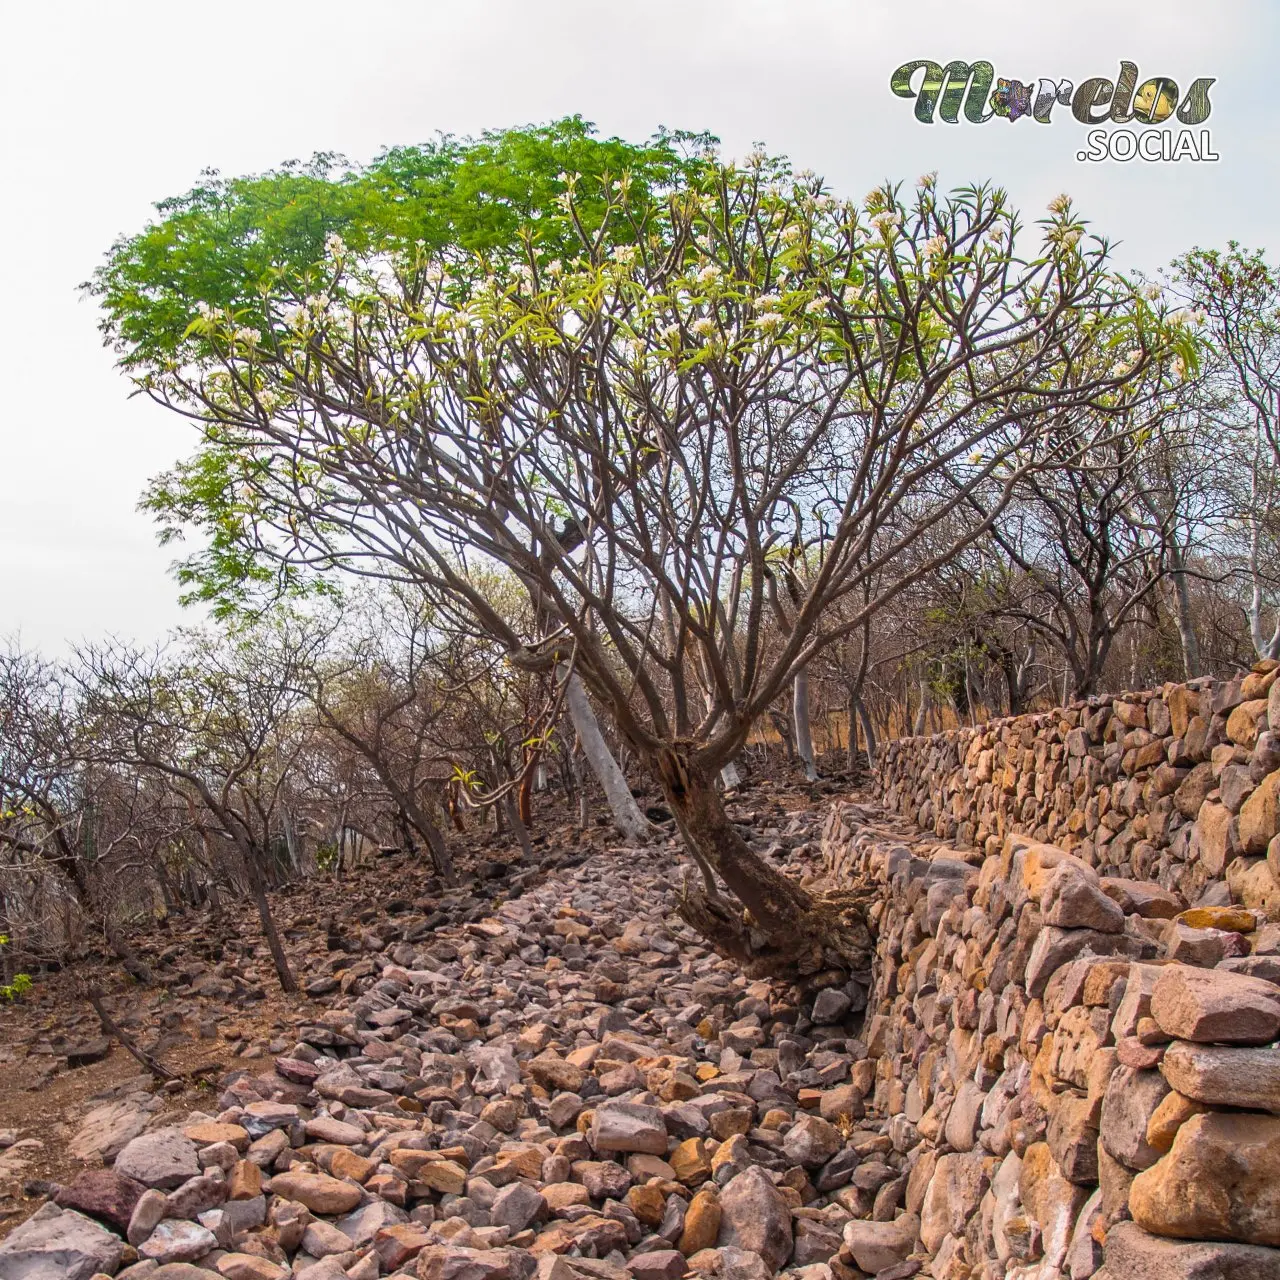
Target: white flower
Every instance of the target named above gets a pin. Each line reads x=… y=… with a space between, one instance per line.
x=996 y=234
x=708 y=275
x=792 y=232
x=767 y=301
x=815 y=306
x=769 y=321
x=250 y=337
x=1071 y=237
x=825 y=203
x=1060 y=203
x=703 y=326
x=806 y=175
x=927 y=180
x=295 y=316
x=853 y=294
x=205 y=310
x=624 y=254
x=756 y=158
x=1152 y=292
x=976 y=457
x=876 y=196
x=333 y=245
x=555 y=267
x=885 y=223
x=671 y=333
x=317 y=301
x=934 y=247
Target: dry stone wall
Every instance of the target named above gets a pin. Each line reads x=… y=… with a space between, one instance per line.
x=1074 y=1046
x=1179 y=785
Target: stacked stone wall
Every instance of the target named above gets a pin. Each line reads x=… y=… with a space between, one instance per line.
x=1073 y=1029
x=1180 y=785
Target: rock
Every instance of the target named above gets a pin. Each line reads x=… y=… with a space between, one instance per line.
x=1132 y=1098
x=660 y=1264
x=1051 y=1200
x=690 y=1162
x=399 y=1244
x=59 y=1244
x=1173 y=1112
x=178 y=1240
x=1134 y=1254
x=104 y=1194
x=1225 y=1076
x=1053 y=947
x=629 y=1126
x=249 y=1266
x=106 y=1130
x=962 y=1119
x=554 y=1073
x=702 y=1222
x=451 y=1262
x=327 y=1129
x=753 y=1215
x=1260 y=815
x=147 y=1213
x=1074 y=901
x=319 y=1192
x=1073 y=1137
x=953 y=1195
x=814 y=1242
x=518 y=1206
x=1220 y=1181
x=831 y=1006
x=811 y=1141
x=877 y=1245
x=162 y=1158
x=1213 y=1006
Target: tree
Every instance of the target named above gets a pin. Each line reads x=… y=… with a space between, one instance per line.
x=631 y=428
x=215 y=722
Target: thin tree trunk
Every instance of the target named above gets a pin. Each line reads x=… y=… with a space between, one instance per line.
x=631 y=823
x=923 y=709
x=517 y=826
x=868 y=732
x=1186 y=626
x=804 y=732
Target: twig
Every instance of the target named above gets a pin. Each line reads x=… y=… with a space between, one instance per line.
x=113 y=1028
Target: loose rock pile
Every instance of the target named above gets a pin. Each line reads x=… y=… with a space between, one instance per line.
x=1180 y=785
x=573 y=1086
x=1079 y=1073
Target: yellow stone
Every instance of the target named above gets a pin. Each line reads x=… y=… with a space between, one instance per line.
x=1234 y=919
x=691 y=1162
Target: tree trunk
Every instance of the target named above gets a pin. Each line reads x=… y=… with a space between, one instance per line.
x=804 y=733
x=1186 y=627
x=516 y=823
x=776 y=928
x=630 y=822
x=923 y=710
x=868 y=732
x=259 y=894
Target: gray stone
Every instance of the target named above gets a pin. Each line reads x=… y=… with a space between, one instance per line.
x=517 y=1207
x=1131 y=1098
x=59 y=1244
x=629 y=1126
x=178 y=1240
x=877 y=1245
x=1134 y=1254
x=753 y=1215
x=811 y=1141
x=163 y=1158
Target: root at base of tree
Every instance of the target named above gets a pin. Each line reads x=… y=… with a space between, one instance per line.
x=827 y=943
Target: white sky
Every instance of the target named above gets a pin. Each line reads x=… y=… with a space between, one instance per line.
x=107 y=108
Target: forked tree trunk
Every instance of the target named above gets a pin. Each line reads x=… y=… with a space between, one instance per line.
x=632 y=824
x=804 y=733
x=770 y=925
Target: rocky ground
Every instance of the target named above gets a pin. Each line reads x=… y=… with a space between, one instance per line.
x=545 y=1072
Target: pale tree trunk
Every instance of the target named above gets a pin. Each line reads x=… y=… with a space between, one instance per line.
x=1186 y=628
x=631 y=823
x=924 y=707
x=868 y=732
x=800 y=712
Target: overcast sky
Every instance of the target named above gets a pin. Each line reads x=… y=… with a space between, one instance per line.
x=108 y=108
